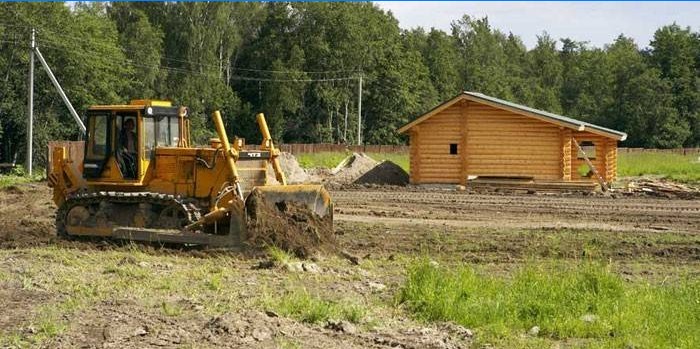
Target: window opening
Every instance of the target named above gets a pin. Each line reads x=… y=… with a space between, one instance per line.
x=589 y=148
x=453 y=148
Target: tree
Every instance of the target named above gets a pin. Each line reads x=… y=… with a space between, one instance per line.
x=483 y=57
x=675 y=53
x=544 y=71
x=643 y=100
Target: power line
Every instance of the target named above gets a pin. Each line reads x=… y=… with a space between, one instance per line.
x=84 y=40
x=192 y=72
x=235 y=77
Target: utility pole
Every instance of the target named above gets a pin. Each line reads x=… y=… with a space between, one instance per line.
x=61 y=93
x=30 y=104
x=359 y=111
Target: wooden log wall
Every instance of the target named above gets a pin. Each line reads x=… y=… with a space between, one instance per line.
x=502 y=143
x=432 y=158
x=566 y=150
x=611 y=161
x=414 y=162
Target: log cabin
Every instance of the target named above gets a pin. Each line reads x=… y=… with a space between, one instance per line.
x=474 y=136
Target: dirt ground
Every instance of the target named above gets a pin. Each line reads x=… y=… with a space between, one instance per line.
x=60 y=294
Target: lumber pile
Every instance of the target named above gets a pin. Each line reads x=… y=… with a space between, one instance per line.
x=660 y=187
x=529 y=185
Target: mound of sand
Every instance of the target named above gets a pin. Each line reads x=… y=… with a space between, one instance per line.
x=385 y=173
x=351 y=168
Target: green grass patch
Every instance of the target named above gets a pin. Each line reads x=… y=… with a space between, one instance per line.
x=322 y=159
x=586 y=302
x=305 y=307
x=677 y=167
x=400 y=159
x=19 y=176
x=332 y=159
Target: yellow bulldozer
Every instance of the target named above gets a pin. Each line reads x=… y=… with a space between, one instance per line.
x=141 y=179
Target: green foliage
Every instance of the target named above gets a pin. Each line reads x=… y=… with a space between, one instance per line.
x=303 y=306
x=18 y=175
x=584 y=301
x=672 y=166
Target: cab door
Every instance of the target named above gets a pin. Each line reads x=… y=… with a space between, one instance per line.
x=127 y=144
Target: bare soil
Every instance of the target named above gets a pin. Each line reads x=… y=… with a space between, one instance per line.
x=383 y=228
x=289 y=226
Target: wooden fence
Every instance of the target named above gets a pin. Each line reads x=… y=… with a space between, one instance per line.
x=299 y=148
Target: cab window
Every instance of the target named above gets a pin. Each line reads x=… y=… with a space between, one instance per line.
x=149 y=143
x=98 y=127
x=168 y=131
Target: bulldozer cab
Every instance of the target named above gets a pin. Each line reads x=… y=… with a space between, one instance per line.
x=121 y=139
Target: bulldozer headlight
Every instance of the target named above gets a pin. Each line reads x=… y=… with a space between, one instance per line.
x=149 y=111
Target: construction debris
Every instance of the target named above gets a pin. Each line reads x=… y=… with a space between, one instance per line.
x=661 y=188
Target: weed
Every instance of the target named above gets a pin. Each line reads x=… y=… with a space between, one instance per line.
x=303 y=306
x=284 y=343
x=171 y=309
x=214 y=283
x=278 y=255
x=557 y=299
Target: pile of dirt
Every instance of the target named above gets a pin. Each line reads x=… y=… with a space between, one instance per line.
x=289 y=226
x=290 y=166
x=351 y=168
x=385 y=173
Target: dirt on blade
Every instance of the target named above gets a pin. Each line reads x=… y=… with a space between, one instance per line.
x=287 y=225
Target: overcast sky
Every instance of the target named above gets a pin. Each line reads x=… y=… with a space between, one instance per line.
x=596 y=22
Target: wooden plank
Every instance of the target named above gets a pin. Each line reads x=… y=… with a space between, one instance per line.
x=603 y=185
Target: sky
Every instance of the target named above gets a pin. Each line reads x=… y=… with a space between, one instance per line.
x=599 y=23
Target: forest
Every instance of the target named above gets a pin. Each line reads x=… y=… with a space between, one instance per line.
x=301 y=64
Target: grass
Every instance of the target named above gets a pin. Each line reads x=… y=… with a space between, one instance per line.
x=278 y=255
x=305 y=307
x=332 y=159
x=682 y=168
x=557 y=298
x=19 y=176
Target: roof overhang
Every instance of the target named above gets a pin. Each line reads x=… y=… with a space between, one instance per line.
x=518 y=109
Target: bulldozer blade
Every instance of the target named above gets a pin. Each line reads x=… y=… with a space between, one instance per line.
x=314 y=197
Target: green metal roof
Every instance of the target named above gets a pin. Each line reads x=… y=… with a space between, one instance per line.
x=546 y=114
x=572 y=123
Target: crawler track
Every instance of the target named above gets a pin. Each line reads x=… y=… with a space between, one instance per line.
x=183 y=212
